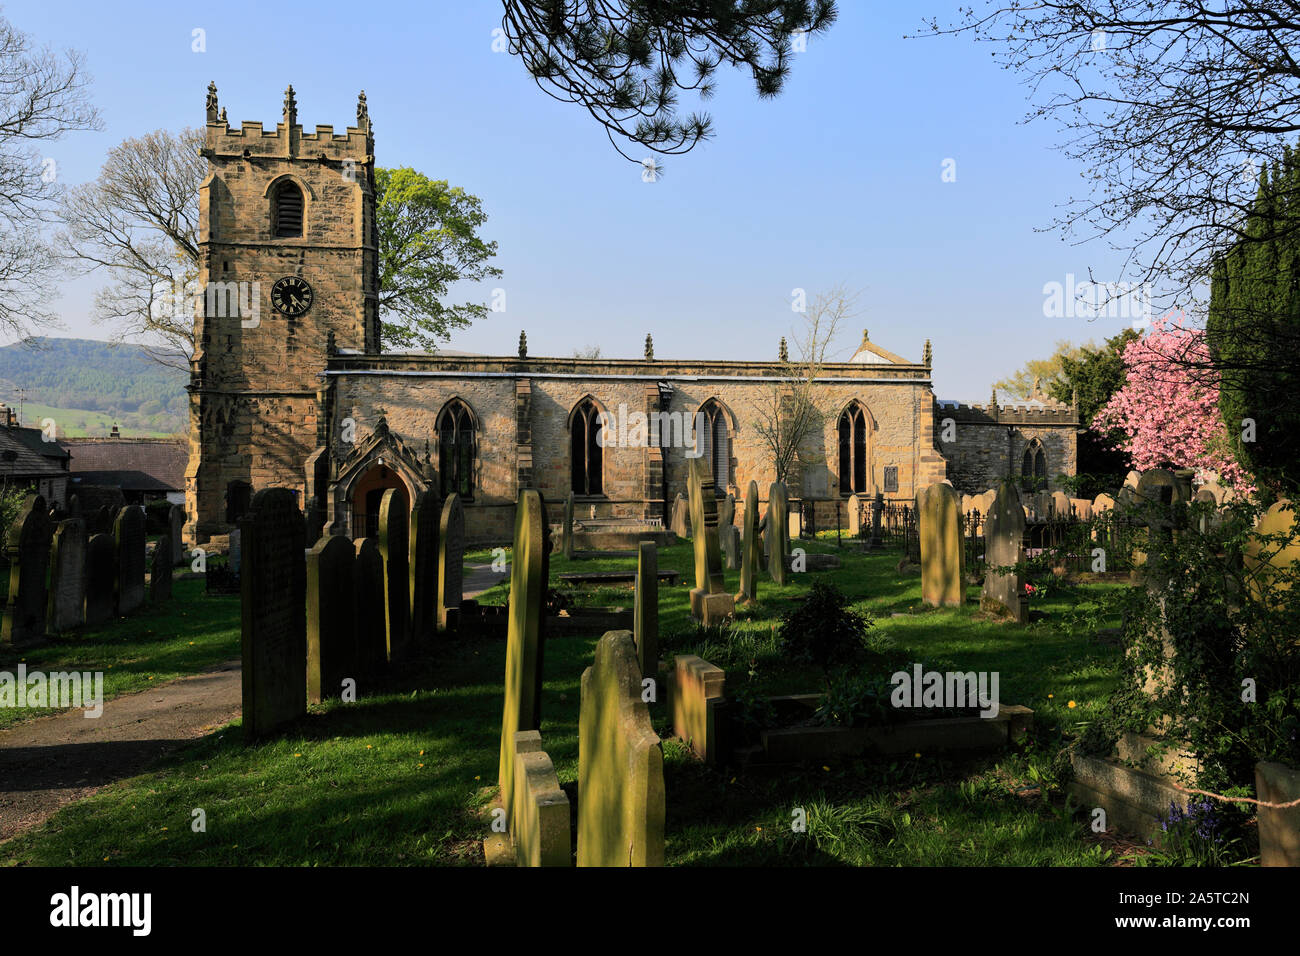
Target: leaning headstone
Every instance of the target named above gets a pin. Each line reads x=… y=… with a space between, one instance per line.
x=331 y=617
x=678 y=523
x=566 y=530
x=529 y=569
x=645 y=615
x=175 y=528
x=1004 y=532
x=160 y=570
x=451 y=561
x=67 y=577
x=101 y=578
x=778 y=523
x=941 y=546
x=426 y=515
x=128 y=533
x=730 y=540
x=750 y=549
x=27 y=547
x=710 y=602
x=620 y=763
x=394 y=547
x=540 y=814
x=855 y=516
x=274 y=598
x=368 y=606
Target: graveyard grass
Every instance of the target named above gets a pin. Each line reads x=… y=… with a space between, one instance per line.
x=406 y=774
x=156 y=643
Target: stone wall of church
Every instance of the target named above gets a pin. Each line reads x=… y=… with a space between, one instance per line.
x=988 y=443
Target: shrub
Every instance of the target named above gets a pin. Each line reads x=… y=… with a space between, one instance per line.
x=822 y=630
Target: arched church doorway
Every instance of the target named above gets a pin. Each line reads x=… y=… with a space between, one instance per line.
x=367 y=493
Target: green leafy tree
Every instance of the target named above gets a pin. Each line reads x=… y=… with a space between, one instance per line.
x=1253 y=331
x=1043 y=372
x=1094 y=375
x=427 y=240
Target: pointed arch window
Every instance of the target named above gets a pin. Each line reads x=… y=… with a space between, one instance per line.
x=456 y=450
x=586 y=458
x=853 y=434
x=715 y=437
x=1034 y=464
x=287 y=211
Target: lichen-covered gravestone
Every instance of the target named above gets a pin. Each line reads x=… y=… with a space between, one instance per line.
x=645 y=615
x=750 y=549
x=679 y=522
x=620 y=763
x=426 y=514
x=529 y=568
x=855 y=516
x=1158 y=503
x=394 y=529
x=274 y=606
x=1004 y=532
x=941 y=546
x=101 y=578
x=331 y=617
x=451 y=562
x=67 y=577
x=368 y=605
x=730 y=541
x=27 y=547
x=175 y=529
x=540 y=814
x=778 y=532
x=698 y=686
x=727 y=512
x=711 y=605
x=128 y=533
x=160 y=570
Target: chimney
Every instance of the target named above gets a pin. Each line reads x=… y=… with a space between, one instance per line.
x=113 y=432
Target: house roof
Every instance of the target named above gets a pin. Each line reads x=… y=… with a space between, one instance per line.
x=134 y=464
x=23 y=454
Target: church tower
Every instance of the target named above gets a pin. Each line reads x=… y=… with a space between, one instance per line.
x=288 y=271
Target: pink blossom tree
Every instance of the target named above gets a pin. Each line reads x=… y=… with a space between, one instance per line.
x=1169 y=406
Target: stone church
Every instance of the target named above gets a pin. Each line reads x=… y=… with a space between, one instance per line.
x=289 y=386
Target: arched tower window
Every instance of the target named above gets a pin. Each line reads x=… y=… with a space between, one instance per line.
x=456 y=450
x=287 y=210
x=715 y=437
x=1034 y=464
x=586 y=459
x=853 y=435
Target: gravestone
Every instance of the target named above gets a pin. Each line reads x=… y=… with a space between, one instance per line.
x=394 y=548
x=678 y=523
x=697 y=688
x=855 y=516
x=368 y=606
x=235 y=555
x=160 y=570
x=566 y=530
x=941 y=546
x=1060 y=504
x=67 y=577
x=778 y=524
x=1082 y=508
x=1004 y=532
x=27 y=546
x=101 y=578
x=731 y=546
x=331 y=617
x=710 y=602
x=529 y=570
x=128 y=533
x=175 y=530
x=727 y=511
x=1158 y=502
x=1266 y=559
x=645 y=615
x=426 y=515
x=877 y=516
x=540 y=813
x=750 y=549
x=101 y=521
x=451 y=562
x=620 y=763
x=1102 y=503
x=274 y=599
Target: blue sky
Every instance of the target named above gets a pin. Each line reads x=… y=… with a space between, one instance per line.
x=839 y=180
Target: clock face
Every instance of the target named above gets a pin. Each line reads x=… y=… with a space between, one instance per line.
x=291 y=295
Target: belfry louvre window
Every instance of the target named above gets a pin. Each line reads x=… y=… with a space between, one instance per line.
x=288 y=211
x=586 y=458
x=456 y=451
x=853 y=451
x=716 y=439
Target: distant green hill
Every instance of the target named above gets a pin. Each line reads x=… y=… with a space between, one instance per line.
x=86 y=386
